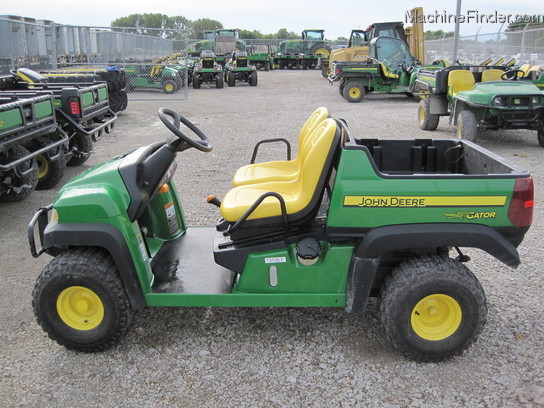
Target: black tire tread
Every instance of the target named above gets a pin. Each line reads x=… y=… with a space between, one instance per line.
x=415 y=270
x=430 y=122
x=99 y=265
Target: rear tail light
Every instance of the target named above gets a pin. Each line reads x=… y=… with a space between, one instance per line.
x=520 y=212
x=75 y=108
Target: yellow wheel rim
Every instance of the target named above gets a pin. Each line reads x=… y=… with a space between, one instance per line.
x=421 y=114
x=323 y=51
x=354 y=93
x=436 y=317
x=80 y=308
x=169 y=87
x=43 y=166
x=459 y=129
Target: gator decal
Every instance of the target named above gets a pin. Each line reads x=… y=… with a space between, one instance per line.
x=424 y=201
x=470 y=215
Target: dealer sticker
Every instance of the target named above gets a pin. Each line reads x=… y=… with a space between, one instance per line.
x=277 y=259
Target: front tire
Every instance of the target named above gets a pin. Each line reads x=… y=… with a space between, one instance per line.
x=169 y=86
x=467 y=127
x=540 y=137
x=253 y=79
x=81 y=147
x=432 y=308
x=80 y=302
x=427 y=120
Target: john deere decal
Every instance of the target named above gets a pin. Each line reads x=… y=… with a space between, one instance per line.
x=424 y=201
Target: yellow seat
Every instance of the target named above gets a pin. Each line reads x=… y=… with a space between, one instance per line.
x=459 y=80
x=279 y=170
x=492 y=75
x=301 y=195
x=385 y=73
x=525 y=68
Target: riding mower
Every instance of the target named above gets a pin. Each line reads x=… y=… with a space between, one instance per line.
x=206 y=69
x=344 y=220
x=239 y=69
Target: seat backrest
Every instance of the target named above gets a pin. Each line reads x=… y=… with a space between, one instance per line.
x=319 y=115
x=385 y=73
x=313 y=158
x=460 y=80
x=525 y=68
x=492 y=75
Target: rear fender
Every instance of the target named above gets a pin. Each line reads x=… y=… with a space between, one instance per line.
x=367 y=255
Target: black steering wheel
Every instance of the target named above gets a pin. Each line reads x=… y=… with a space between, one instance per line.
x=513 y=75
x=204 y=144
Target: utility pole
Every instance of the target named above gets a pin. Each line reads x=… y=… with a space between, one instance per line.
x=456 y=33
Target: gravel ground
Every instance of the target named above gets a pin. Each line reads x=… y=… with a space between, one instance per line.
x=273 y=357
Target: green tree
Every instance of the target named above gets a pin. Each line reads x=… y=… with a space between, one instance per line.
x=283 y=34
x=438 y=34
x=153 y=24
x=199 y=26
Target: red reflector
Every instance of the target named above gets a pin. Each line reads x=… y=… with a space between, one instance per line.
x=520 y=212
x=74 y=108
x=337 y=71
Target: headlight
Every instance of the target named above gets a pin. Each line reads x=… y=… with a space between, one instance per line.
x=497 y=101
x=535 y=100
x=54 y=218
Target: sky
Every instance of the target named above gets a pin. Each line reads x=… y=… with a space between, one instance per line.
x=337 y=17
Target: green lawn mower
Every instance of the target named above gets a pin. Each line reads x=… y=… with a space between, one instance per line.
x=239 y=69
x=207 y=70
x=346 y=219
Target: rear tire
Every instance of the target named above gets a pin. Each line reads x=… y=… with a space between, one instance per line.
x=432 y=308
x=50 y=172
x=540 y=137
x=467 y=127
x=325 y=72
x=169 y=86
x=81 y=147
x=219 y=81
x=80 y=302
x=427 y=120
x=231 y=79
x=353 y=92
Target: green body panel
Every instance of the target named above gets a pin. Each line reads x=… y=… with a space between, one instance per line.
x=43 y=110
x=327 y=275
x=10 y=119
x=414 y=199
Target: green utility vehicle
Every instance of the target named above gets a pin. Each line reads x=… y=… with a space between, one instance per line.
x=28 y=131
x=239 y=69
x=262 y=56
x=159 y=77
x=207 y=70
x=81 y=110
x=389 y=68
x=481 y=97
x=348 y=218
x=303 y=53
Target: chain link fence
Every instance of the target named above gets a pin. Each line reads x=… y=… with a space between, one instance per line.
x=154 y=60
x=525 y=46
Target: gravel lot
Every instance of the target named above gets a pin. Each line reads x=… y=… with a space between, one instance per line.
x=273 y=357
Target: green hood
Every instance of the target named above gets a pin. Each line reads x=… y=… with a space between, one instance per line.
x=484 y=92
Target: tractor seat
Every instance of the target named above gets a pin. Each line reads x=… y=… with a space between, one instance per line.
x=279 y=170
x=301 y=195
x=460 y=80
x=386 y=73
x=525 y=68
x=492 y=75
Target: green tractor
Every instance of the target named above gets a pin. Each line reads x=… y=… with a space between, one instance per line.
x=207 y=70
x=262 y=56
x=346 y=219
x=481 y=97
x=390 y=68
x=304 y=53
x=239 y=69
